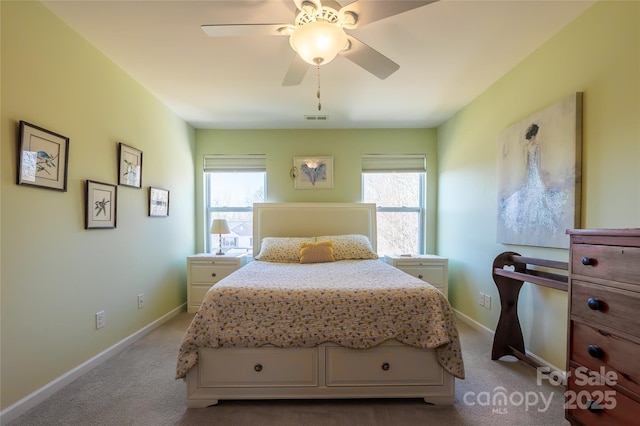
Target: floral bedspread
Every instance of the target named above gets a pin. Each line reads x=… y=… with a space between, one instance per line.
x=354 y=303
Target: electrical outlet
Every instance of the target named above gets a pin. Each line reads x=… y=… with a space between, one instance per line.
x=487 y=301
x=481 y=299
x=100 y=320
x=140 y=301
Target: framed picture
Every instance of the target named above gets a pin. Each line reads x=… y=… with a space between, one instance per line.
x=42 y=158
x=129 y=166
x=158 y=202
x=539 y=176
x=313 y=172
x=101 y=205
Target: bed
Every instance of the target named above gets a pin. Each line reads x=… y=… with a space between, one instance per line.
x=346 y=326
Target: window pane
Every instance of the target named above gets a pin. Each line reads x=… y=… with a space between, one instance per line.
x=392 y=189
x=399 y=201
x=231 y=196
x=398 y=232
x=236 y=189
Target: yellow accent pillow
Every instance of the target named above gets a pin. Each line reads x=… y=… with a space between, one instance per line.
x=316 y=252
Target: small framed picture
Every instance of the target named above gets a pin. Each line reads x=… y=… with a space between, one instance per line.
x=158 y=202
x=313 y=172
x=42 y=158
x=129 y=166
x=101 y=205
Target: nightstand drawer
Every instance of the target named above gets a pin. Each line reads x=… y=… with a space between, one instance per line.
x=203 y=272
x=434 y=275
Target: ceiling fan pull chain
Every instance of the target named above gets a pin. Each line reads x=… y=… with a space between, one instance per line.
x=318 y=92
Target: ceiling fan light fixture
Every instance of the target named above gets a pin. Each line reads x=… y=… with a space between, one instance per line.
x=318 y=42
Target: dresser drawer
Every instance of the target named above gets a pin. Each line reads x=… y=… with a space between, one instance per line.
x=612 y=263
x=618 y=309
x=258 y=367
x=618 y=410
x=598 y=350
x=210 y=272
x=382 y=365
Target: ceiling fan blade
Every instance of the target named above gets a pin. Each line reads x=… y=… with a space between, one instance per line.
x=296 y=72
x=371 y=11
x=369 y=59
x=223 y=30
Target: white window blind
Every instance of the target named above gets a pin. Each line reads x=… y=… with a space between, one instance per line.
x=235 y=163
x=380 y=163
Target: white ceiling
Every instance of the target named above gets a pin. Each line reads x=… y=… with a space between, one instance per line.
x=449 y=52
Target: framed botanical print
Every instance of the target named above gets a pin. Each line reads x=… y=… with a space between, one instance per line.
x=158 y=202
x=129 y=166
x=101 y=205
x=42 y=158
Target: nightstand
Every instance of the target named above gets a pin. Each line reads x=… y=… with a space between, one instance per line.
x=429 y=268
x=206 y=269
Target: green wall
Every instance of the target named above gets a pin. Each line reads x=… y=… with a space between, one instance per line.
x=346 y=147
x=597 y=54
x=55 y=275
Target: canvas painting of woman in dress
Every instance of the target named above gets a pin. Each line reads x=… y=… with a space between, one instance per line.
x=539 y=176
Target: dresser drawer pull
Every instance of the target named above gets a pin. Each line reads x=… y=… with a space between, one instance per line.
x=258 y=367
x=594 y=407
x=420 y=276
x=587 y=261
x=213 y=274
x=595 y=351
x=385 y=366
x=595 y=304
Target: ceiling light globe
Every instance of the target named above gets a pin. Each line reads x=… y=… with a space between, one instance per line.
x=318 y=42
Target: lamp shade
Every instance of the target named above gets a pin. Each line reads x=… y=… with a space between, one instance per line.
x=219 y=226
x=318 y=42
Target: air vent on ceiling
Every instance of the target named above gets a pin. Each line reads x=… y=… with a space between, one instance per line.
x=316 y=117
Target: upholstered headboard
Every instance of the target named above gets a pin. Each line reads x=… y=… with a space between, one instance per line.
x=312 y=219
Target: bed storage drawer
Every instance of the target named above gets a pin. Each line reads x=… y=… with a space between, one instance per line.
x=258 y=367
x=383 y=365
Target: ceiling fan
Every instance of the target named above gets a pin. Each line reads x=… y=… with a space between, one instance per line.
x=318 y=34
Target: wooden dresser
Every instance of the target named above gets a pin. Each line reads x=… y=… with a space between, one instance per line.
x=603 y=359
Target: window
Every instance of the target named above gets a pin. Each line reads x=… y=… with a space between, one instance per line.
x=396 y=184
x=232 y=184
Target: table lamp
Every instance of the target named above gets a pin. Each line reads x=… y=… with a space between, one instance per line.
x=219 y=226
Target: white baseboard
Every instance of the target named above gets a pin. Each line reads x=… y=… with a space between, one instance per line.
x=475 y=324
x=17 y=409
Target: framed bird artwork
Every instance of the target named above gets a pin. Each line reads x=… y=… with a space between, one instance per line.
x=315 y=172
x=42 y=158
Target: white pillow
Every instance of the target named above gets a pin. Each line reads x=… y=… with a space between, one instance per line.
x=282 y=249
x=352 y=246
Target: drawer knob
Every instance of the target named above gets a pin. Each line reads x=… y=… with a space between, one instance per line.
x=420 y=276
x=595 y=351
x=213 y=274
x=595 y=304
x=385 y=366
x=594 y=407
x=258 y=367
x=587 y=261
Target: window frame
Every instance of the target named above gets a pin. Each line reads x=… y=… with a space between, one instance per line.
x=396 y=164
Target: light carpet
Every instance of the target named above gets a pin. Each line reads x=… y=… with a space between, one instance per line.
x=137 y=387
